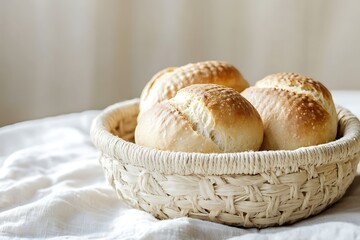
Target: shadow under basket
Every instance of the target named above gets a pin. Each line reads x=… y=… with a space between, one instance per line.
x=250 y=189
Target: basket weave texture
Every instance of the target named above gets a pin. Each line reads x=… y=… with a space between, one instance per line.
x=250 y=189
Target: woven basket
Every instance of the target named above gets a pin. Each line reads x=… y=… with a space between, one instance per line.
x=251 y=189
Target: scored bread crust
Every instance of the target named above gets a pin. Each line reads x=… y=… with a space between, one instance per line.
x=165 y=128
x=165 y=84
x=202 y=118
x=299 y=84
x=296 y=110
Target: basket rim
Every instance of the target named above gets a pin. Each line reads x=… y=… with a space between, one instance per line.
x=255 y=162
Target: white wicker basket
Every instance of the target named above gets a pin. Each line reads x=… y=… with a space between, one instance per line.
x=251 y=189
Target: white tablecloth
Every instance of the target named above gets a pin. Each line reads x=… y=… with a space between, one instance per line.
x=52 y=186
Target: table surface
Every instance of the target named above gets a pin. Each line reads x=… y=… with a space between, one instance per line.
x=52 y=186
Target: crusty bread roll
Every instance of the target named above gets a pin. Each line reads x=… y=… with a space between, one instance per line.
x=297 y=111
x=201 y=118
x=167 y=82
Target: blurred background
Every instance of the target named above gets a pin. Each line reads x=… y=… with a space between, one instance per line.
x=66 y=56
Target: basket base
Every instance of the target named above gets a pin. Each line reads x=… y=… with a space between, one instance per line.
x=261 y=200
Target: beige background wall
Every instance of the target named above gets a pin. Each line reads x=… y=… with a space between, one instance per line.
x=66 y=56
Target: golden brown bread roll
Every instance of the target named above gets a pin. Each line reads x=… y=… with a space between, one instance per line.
x=201 y=118
x=167 y=82
x=297 y=111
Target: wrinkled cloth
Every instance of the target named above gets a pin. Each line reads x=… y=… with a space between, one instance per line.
x=52 y=186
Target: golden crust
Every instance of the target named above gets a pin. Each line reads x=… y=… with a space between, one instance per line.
x=202 y=118
x=165 y=84
x=221 y=101
x=300 y=84
x=296 y=111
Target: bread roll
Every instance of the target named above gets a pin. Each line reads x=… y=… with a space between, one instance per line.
x=297 y=111
x=165 y=84
x=201 y=118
